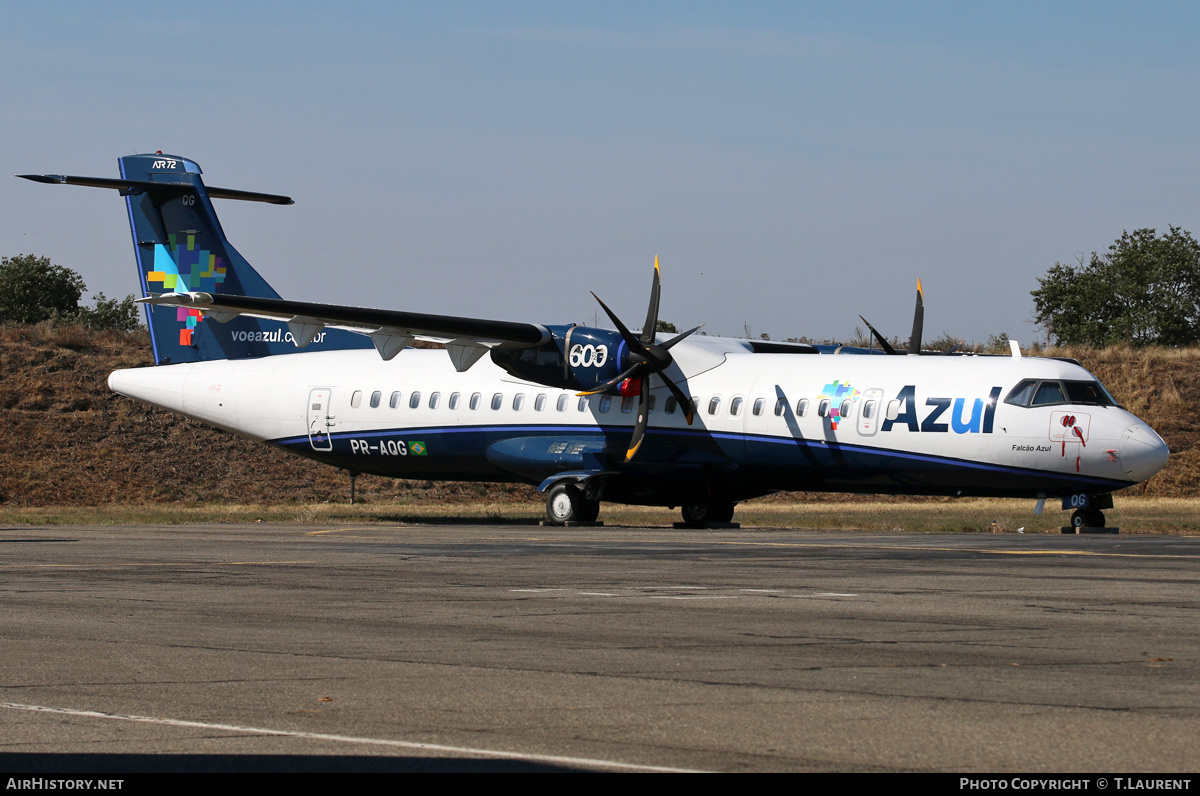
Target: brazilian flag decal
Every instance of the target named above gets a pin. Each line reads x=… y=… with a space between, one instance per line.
x=417 y=448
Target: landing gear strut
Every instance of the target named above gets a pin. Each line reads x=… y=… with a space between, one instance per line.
x=566 y=503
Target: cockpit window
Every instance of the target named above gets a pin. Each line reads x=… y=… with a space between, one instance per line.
x=1049 y=392
x=1032 y=392
x=1088 y=392
x=1021 y=394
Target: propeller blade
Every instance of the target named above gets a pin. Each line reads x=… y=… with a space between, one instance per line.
x=887 y=347
x=679 y=337
x=684 y=402
x=643 y=416
x=628 y=373
x=634 y=343
x=914 y=340
x=651 y=327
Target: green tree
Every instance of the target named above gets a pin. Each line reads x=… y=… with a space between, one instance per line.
x=34 y=290
x=1145 y=290
x=122 y=315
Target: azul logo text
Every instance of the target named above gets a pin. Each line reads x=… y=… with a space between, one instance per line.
x=979 y=420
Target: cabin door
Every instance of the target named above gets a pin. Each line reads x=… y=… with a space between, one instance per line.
x=320 y=422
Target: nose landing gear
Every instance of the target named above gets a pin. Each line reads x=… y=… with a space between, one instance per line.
x=1087 y=518
x=1088 y=514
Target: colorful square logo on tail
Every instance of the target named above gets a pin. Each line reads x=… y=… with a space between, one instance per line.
x=181 y=268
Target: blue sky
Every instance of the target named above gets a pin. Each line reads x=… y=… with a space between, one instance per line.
x=792 y=165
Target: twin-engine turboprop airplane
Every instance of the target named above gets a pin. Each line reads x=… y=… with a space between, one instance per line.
x=591 y=414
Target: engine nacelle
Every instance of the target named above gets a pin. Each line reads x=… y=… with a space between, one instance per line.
x=579 y=358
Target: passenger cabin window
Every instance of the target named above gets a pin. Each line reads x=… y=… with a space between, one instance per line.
x=375 y=398
x=653 y=402
x=869 y=410
x=846 y=409
x=518 y=401
x=823 y=408
x=735 y=406
x=671 y=404
x=475 y=398
x=758 y=405
x=497 y=400
x=802 y=407
x=414 y=400
x=561 y=406
x=433 y=400
x=356 y=399
x=627 y=405
x=539 y=403
x=454 y=400
x=394 y=401
x=714 y=404
x=605 y=403
x=582 y=404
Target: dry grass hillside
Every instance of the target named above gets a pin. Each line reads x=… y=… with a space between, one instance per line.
x=67 y=440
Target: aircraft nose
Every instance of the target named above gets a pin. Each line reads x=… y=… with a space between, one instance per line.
x=1143 y=452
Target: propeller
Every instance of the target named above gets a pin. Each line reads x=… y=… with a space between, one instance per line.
x=914 y=340
x=647 y=358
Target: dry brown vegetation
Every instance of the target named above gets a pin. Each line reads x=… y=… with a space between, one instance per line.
x=68 y=441
x=1161 y=386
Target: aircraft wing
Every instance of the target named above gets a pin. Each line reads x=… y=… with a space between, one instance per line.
x=467 y=339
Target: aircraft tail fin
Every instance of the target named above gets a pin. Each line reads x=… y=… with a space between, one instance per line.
x=180 y=247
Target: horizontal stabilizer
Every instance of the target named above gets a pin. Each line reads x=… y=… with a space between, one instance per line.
x=134 y=187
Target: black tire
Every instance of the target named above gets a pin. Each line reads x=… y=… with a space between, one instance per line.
x=565 y=503
x=697 y=515
x=1087 y=518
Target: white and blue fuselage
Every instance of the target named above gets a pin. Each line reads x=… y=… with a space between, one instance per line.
x=763 y=423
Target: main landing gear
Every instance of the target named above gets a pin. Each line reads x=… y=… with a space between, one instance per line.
x=698 y=515
x=567 y=503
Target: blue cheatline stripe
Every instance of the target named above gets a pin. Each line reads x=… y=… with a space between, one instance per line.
x=572 y=430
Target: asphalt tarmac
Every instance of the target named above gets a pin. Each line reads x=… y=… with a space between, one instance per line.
x=513 y=648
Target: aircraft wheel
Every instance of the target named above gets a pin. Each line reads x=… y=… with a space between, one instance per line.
x=1087 y=518
x=565 y=503
x=697 y=515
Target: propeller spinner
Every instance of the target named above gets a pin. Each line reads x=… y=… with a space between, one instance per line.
x=648 y=358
